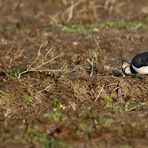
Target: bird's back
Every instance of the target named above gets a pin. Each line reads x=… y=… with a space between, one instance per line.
x=140 y=60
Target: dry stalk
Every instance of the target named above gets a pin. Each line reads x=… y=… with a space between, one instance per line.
x=99 y=93
x=38 y=63
x=138 y=106
x=70 y=10
x=97 y=43
x=92 y=68
x=9 y=57
x=108 y=4
x=46 y=88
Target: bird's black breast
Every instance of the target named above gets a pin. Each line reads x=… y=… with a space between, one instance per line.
x=140 y=60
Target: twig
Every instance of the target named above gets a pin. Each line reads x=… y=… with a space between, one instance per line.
x=99 y=93
x=138 y=106
x=38 y=63
x=98 y=46
x=46 y=88
x=92 y=68
x=48 y=62
x=70 y=12
x=71 y=9
x=30 y=69
x=36 y=59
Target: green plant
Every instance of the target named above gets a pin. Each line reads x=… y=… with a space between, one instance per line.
x=107 y=122
x=88 y=135
x=44 y=140
x=126 y=146
x=79 y=29
x=15 y=72
x=28 y=99
x=3 y=94
x=21 y=138
x=57 y=105
x=109 y=100
x=54 y=143
x=56 y=114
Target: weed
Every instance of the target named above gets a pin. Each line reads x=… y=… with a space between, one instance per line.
x=57 y=105
x=88 y=135
x=109 y=100
x=107 y=122
x=46 y=141
x=14 y=72
x=79 y=29
x=141 y=127
x=21 y=138
x=119 y=107
x=54 y=143
x=34 y=128
x=126 y=146
x=27 y=99
x=129 y=106
x=3 y=94
x=57 y=114
x=124 y=24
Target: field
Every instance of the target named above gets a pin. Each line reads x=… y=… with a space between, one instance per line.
x=58 y=87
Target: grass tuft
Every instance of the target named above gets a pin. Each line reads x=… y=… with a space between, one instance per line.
x=80 y=29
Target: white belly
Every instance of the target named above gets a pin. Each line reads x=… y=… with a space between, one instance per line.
x=142 y=70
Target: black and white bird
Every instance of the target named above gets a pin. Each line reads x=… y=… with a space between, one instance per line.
x=138 y=65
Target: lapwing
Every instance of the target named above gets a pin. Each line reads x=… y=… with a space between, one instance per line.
x=138 y=65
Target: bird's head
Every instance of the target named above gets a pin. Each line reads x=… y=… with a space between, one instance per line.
x=126 y=68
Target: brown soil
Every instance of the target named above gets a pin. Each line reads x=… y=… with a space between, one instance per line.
x=73 y=100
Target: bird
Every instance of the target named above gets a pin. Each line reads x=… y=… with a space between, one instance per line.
x=138 y=65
